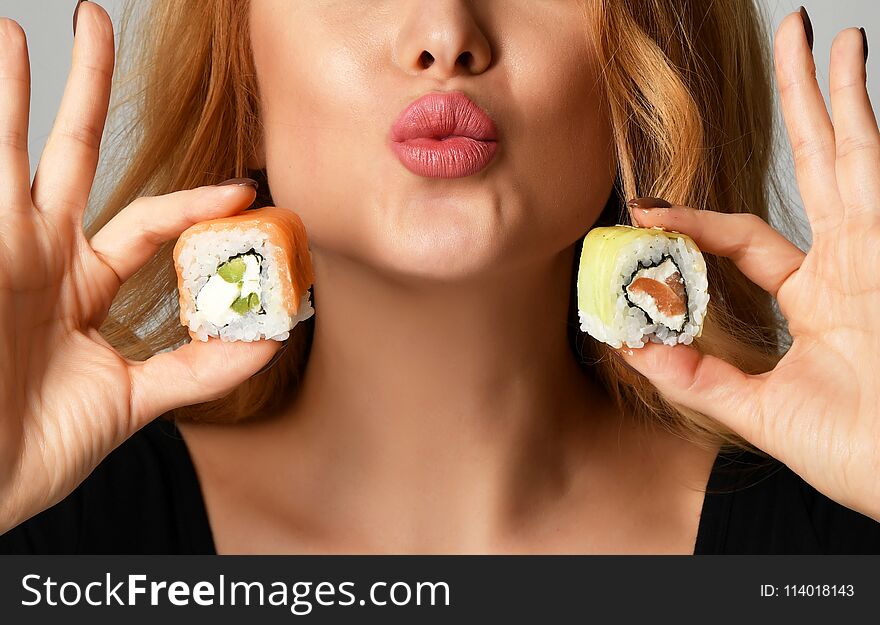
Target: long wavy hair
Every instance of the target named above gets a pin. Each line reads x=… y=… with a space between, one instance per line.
x=689 y=92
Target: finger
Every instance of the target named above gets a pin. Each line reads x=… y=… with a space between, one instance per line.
x=135 y=234
x=15 y=97
x=809 y=127
x=709 y=385
x=758 y=250
x=67 y=166
x=857 y=139
x=193 y=373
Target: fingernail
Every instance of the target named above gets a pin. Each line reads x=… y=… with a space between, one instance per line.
x=239 y=182
x=648 y=202
x=75 y=11
x=864 y=43
x=808 y=27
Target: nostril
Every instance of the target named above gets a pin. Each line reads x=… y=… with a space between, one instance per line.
x=426 y=60
x=466 y=59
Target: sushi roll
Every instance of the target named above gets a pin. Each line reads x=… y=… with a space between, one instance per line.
x=245 y=277
x=637 y=285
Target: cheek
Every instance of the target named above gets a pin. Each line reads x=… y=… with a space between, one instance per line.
x=311 y=161
x=564 y=157
x=317 y=102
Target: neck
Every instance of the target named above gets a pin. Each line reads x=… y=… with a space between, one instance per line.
x=455 y=392
x=395 y=359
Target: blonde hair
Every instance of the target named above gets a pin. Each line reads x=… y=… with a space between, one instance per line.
x=188 y=88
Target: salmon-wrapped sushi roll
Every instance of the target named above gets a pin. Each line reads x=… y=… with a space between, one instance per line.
x=246 y=277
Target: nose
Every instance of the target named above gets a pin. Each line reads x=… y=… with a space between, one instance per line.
x=442 y=39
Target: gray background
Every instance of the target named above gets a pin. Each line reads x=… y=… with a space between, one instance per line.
x=48 y=27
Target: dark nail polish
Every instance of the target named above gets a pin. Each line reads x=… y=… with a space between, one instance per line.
x=240 y=182
x=808 y=27
x=75 y=11
x=864 y=43
x=648 y=202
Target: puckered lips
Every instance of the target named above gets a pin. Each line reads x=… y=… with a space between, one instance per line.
x=444 y=134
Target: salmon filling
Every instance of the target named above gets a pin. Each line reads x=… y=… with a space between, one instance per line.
x=660 y=292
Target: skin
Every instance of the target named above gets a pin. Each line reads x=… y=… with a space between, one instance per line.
x=447 y=268
x=817 y=410
x=441 y=411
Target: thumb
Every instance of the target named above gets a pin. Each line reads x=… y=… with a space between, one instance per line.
x=701 y=382
x=194 y=373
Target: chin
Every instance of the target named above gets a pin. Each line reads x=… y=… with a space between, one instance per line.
x=439 y=245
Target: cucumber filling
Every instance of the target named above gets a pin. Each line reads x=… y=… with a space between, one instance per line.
x=233 y=291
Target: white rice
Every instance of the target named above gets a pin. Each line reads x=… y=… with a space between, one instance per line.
x=631 y=326
x=199 y=260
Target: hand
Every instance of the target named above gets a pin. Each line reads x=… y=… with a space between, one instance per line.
x=818 y=410
x=67 y=398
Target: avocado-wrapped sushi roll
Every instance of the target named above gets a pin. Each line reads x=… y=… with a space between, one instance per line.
x=245 y=277
x=641 y=284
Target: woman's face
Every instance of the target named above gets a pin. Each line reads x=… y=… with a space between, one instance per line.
x=334 y=75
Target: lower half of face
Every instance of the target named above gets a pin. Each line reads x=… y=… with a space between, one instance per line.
x=329 y=157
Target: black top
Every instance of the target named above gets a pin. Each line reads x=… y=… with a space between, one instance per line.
x=145 y=498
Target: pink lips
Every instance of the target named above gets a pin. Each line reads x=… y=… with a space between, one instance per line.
x=444 y=135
